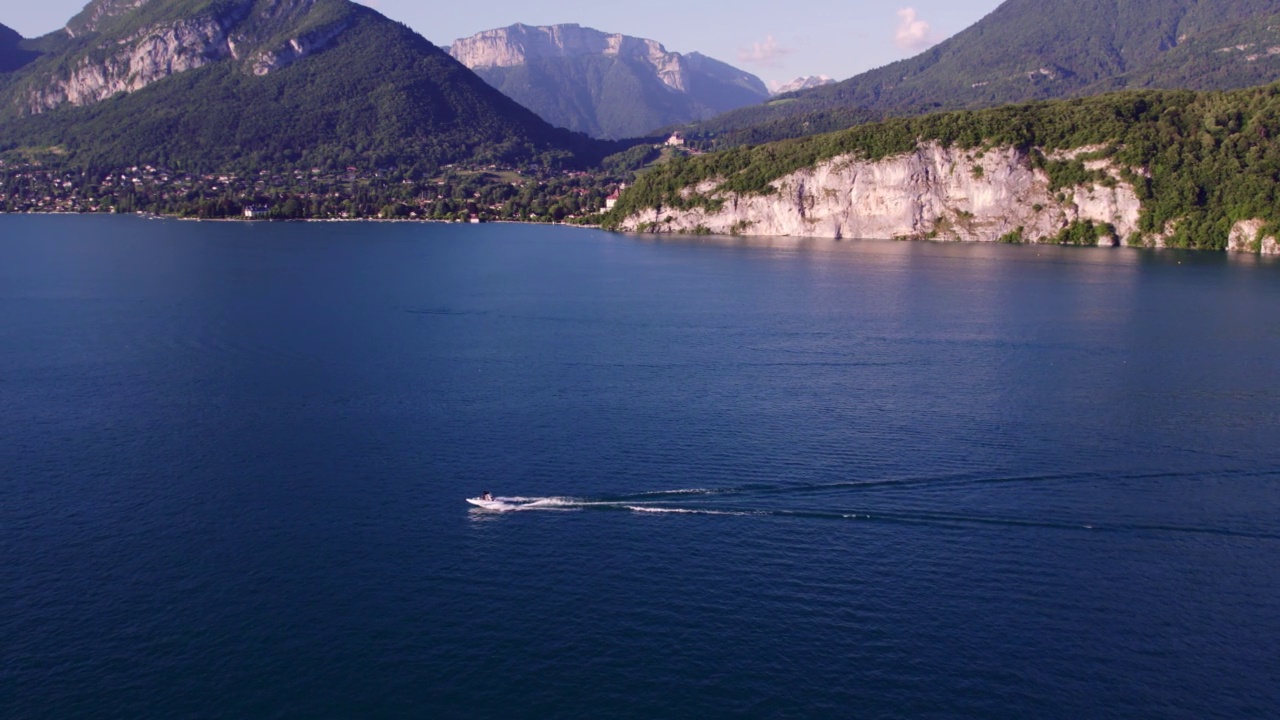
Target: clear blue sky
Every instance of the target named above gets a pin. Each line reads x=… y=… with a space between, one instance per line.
x=777 y=41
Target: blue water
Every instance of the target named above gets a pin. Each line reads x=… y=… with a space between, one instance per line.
x=792 y=479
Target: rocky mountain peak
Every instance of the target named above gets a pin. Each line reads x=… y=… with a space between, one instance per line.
x=804 y=83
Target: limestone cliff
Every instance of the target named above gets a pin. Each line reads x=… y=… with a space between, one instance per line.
x=148 y=56
x=1250 y=236
x=604 y=84
x=935 y=192
x=127 y=45
x=520 y=44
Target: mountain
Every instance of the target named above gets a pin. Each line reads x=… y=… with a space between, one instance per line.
x=1154 y=168
x=256 y=84
x=606 y=85
x=1032 y=50
x=803 y=83
x=12 y=54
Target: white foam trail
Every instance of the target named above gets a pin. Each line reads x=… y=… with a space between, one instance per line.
x=682 y=511
x=522 y=503
x=687 y=491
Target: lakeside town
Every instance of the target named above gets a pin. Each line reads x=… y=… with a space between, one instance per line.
x=478 y=195
x=529 y=193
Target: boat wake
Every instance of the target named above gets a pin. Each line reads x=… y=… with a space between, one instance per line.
x=860 y=501
x=522 y=504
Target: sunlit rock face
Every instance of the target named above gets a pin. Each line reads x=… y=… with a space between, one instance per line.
x=125 y=54
x=605 y=84
x=934 y=192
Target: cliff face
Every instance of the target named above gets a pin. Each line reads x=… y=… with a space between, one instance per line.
x=1249 y=236
x=933 y=193
x=522 y=44
x=607 y=85
x=124 y=50
x=151 y=55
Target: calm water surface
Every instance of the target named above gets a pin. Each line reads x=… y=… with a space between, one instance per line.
x=813 y=479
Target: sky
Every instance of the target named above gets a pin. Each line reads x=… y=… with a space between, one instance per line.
x=776 y=41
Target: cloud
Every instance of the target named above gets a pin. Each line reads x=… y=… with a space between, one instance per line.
x=912 y=32
x=767 y=54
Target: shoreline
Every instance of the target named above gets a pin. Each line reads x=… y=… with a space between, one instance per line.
x=176 y=218
x=648 y=235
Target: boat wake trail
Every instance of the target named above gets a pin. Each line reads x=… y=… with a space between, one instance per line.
x=525 y=504
x=862 y=501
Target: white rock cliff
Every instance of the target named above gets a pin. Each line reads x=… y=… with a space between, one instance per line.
x=127 y=64
x=1248 y=236
x=934 y=192
x=518 y=44
x=151 y=55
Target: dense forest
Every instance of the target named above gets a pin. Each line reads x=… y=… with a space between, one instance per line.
x=1200 y=161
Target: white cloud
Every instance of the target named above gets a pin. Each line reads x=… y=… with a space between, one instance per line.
x=912 y=32
x=768 y=53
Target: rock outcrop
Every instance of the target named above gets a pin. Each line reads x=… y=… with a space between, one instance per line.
x=151 y=55
x=294 y=49
x=935 y=192
x=1248 y=236
x=123 y=63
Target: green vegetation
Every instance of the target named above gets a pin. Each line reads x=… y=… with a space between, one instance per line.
x=1029 y=50
x=1014 y=237
x=1085 y=232
x=1198 y=161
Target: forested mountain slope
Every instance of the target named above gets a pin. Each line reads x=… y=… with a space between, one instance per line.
x=1034 y=50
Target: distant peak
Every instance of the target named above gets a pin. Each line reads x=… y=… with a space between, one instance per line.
x=802 y=83
x=519 y=43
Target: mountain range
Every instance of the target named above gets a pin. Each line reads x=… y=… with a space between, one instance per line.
x=606 y=85
x=253 y=85
x=258 y=83
x=1035 y=50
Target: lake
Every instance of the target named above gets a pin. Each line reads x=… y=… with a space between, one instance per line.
x=808 y=479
